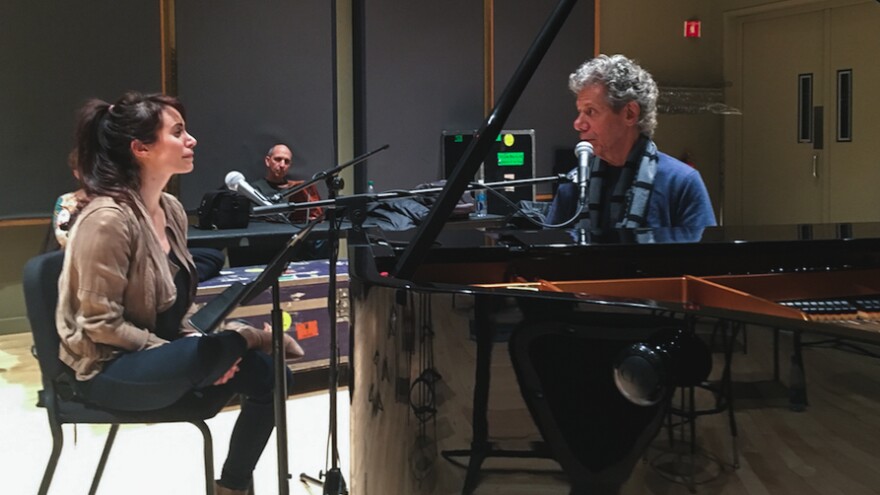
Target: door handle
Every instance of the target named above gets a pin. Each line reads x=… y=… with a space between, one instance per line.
x=815 y=165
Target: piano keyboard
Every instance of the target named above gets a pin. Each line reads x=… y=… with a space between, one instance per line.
x=865 y=308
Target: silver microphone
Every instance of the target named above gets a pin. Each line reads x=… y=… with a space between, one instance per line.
x=583 y=151
x=235 y=181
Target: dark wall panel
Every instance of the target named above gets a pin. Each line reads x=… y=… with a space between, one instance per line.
x=55 y=55
x=546 y=104
x=424 y=73
x=252 y=74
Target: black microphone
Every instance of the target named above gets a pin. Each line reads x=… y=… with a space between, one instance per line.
x=583 y=150
x=236 y=182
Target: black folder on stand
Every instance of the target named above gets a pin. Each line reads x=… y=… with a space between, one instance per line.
x=209 y=316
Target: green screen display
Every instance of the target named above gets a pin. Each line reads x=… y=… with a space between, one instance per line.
x=511 y=159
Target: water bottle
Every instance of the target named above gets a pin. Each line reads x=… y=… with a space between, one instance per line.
x=480 y=206
x=370 y=188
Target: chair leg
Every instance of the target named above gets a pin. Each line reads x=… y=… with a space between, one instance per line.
x=692 y=419
x=105 y=454
x=727 y=389
x=731 y=418
x=208 y=452
x=733 y=437
x=57 y=445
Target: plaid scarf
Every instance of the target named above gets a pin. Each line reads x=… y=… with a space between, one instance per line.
x=628 y=204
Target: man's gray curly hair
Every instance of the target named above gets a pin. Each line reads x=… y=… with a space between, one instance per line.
x=624 y=81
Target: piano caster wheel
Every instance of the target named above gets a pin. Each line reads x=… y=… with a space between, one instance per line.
x=797 y=401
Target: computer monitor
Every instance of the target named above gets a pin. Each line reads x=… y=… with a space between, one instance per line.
x=512 y=156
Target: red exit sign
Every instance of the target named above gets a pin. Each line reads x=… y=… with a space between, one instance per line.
x=692 y=29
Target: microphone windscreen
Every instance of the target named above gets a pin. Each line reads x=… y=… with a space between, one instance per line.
x=233 y=179
x=582 y=147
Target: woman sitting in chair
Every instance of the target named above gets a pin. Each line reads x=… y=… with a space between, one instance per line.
x=128 y=284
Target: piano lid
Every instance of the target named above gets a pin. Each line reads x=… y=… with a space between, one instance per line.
x=519 y=238
x=655 y=252
x=479 y=147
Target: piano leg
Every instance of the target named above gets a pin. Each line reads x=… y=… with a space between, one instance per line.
x=481 y=448
x=798 y=384
x=776 y=355
x=480 y=442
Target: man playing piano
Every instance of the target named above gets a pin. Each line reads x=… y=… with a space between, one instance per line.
x=630 y=183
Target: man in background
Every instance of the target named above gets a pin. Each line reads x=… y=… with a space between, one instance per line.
x=260 y=251
x=278 y=160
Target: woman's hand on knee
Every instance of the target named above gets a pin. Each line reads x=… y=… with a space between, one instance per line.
x=292 y=349
x=229 y=373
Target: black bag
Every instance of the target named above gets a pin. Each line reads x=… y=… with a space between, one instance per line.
x=224 y=209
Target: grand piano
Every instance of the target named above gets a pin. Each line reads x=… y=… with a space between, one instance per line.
x=589 y=334
x=596 y=334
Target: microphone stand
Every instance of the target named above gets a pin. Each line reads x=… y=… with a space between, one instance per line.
x=355 y=205
x=397 y=194
x=334 y=482
x=333 y=476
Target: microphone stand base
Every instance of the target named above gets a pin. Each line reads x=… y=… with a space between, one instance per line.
x=334 y=483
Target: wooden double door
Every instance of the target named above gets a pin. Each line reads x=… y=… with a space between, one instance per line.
x=809 y=132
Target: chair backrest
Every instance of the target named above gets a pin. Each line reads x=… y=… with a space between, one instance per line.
x=40 y=282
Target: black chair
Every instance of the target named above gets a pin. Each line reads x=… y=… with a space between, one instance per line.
x=59 y=390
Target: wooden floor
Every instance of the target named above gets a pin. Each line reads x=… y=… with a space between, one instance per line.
x=832 y=448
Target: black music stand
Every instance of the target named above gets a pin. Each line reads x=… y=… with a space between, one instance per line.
x=209 y=317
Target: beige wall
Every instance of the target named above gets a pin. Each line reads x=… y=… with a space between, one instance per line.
x=18 y=244
x=652 y=33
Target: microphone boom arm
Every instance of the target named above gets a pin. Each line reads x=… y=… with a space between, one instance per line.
x=326 y=173
x=339 y=202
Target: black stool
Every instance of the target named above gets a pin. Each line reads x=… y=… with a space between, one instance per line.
x=681 y=420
